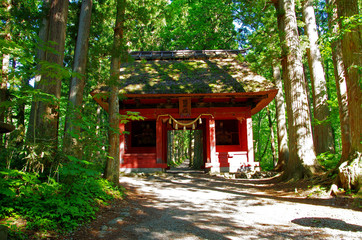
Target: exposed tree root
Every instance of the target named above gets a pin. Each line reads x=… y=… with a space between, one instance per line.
x=350 y=173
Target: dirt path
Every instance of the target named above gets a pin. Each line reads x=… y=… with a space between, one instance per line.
x=198 y=206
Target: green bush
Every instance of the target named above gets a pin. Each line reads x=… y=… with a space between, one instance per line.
x=328 y=160
x=50 y=205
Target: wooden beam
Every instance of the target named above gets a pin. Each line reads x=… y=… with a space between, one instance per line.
x=258 y=100
x=202 y=95
x=231 y=102
x=213 y=157
x=159 y=142
x=250 y=139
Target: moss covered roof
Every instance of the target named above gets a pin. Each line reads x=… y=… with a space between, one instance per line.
x=180 y=72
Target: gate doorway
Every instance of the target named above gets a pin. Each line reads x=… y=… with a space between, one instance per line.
x=185 y=149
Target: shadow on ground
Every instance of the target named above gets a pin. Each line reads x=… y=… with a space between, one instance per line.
x=265 y=188
x=327 y=223
x=199 y=206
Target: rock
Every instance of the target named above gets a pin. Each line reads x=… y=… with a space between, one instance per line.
x=125 y=214
x=115 y=221
x=104 y=228
x=333 y=190
x=241 y=175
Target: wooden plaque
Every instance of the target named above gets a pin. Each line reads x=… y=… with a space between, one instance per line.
x=185 y=106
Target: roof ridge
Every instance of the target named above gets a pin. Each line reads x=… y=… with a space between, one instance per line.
x=185 y=54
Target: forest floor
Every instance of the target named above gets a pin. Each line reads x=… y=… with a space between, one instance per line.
x=200 y=206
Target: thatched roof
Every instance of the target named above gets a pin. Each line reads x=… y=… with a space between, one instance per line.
x=198 y=74
x=187 y=71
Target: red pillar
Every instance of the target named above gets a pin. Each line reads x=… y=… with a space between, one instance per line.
x=207 y=141
x=164 y=142
x=250 y=142
x=212 y=140
x=212 y=158
x=159 y=142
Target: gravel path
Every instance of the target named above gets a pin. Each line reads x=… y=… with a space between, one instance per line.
x=198 y=206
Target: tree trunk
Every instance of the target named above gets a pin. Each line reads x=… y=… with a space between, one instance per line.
x=351 y=50
x=302 y=161
x=43 y=37
x=323 y=134
x=308 y=91
x=5 y=63
x=112 y=168
x=283 y=149
x=43 y=128
x=272 y=143
x=3 y=89
x=71 y=144
x=340 y=79
x=351 y=173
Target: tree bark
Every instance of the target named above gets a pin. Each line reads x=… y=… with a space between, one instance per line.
x=113 y=161
x=283 y=149
x=281 y=112
x=43 y=36
x=340 y=79
x=302 y=161
x=71 y=144
x=5 y=58
x=43 y=127
x=351 y=50
x=308 y=91
x=5 y=63
x=323 y=133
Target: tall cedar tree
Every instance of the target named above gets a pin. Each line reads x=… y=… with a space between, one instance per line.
x=44 y=121
x=112 y=166
x=5 y=61
x=283 y=149
x=323 y=133
x=302 y=161
x=350 y=172
x=72 y=128
x=340 y=79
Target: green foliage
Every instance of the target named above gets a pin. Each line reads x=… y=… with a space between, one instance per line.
x=351 y=23
x=179 y=144
x=92 y=137
x=70 y=189
x=258 y=31
x=146 y=24
x=262 y=136
x=328 y=160
x=185 y=29
x=49 y=205
x=47 y=189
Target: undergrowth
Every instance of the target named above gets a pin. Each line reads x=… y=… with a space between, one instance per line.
x=33 y=207
x=328 y=160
